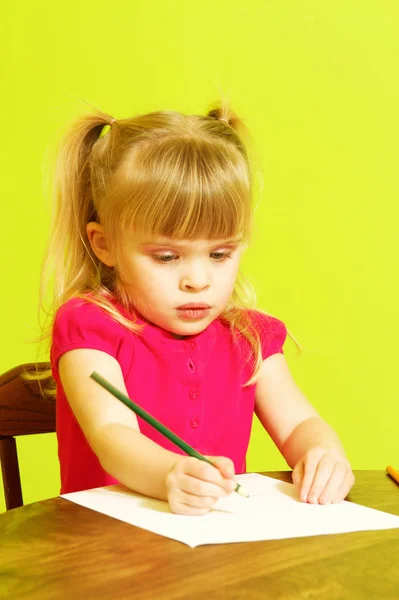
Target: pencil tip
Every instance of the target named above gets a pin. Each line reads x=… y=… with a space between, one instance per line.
x=240 y=490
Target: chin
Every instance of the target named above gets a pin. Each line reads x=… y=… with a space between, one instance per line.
x=191 y=328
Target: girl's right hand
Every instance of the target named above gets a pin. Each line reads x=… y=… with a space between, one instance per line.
x=193 y=486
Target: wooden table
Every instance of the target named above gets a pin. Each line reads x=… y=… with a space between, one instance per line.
x=57 y=549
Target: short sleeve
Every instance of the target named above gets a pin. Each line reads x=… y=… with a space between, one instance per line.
x=272 y=333
x=82 y=324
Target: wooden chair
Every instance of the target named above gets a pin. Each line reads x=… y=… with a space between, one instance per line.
x=23 y=411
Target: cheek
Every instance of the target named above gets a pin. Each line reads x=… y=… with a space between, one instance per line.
x=152 y=281
x=234 y=271
x=228 y=280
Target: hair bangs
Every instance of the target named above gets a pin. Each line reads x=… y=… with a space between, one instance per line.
x=185 y=189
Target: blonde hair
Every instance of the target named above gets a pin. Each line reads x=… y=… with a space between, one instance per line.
x=162 y=173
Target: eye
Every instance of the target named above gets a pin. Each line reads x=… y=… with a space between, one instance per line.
x=220 y=256
x=164 y=258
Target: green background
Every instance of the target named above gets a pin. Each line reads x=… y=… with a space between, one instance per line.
x=317 y=84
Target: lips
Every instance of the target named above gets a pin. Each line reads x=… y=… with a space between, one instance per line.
x=193 y=311
x=194 y=306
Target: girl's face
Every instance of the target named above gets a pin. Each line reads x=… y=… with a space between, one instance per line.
x=160 y=275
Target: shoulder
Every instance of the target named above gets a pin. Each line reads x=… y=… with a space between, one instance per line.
x=85 y=315
x=266 y=324
x=272 y=331
x=80 y=323
x=79 y=308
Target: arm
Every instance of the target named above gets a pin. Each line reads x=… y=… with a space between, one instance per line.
x=311 y=433
x=309 y=445
x=110 y=427
x=189 y=485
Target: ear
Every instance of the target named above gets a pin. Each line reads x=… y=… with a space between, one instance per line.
x=98 y=242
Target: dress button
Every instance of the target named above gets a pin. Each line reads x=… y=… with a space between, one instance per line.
x=191 y=365
x=194 y=422
x=193 y=345
x=193 y=393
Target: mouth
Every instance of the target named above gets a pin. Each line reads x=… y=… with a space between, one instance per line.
x=193 y=306
x=193 y=311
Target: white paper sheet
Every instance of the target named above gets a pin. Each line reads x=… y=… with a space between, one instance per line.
x=273 y=511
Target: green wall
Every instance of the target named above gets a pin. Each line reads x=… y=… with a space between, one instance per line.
x=317 y=84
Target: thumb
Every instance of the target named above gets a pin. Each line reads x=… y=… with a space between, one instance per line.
x=223 y=464
x=297 y=473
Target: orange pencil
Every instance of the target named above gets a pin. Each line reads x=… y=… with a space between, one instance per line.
x=393 y=473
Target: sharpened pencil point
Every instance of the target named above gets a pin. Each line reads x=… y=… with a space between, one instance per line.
x=240 y=490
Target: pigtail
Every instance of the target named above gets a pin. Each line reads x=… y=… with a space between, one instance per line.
x=69 y=262
x=225 y=115
x=233 y=128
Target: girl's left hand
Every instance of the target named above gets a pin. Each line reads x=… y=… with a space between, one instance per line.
x=323 y=476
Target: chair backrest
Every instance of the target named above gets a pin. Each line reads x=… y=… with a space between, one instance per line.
x=23 y=411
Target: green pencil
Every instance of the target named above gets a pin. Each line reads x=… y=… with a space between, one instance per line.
x=156 y=424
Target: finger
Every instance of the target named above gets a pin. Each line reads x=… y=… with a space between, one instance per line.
x=297 y=473
x=210 y=473
x=194 y=501
x=324 y=472
x=226 y=468
x=186 y=509
x=338 y=476
x=311 y=461
x=203 y=470
x=224 y=465
x=345 y=488
x=200 y=487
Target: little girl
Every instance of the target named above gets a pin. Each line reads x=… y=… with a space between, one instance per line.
x=152 y=217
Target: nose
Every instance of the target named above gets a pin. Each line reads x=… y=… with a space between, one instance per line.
x=196 y=278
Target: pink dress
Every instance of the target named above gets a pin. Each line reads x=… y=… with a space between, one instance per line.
x=191 y=385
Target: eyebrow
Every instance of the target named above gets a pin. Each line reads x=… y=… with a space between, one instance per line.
x=181 y=244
